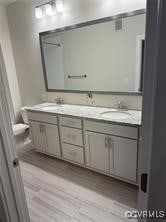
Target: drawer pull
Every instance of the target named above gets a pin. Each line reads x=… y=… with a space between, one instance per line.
x=73 y=153
x=69 y=122
x=71 y=136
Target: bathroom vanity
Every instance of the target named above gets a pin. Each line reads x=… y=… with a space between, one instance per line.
x=91 y=58
x=102 y=139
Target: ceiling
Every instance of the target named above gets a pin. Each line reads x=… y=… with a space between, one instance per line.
x=6 y=2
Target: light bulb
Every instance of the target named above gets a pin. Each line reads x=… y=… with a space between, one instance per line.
x=38 y=13
x=49 y=10
x=59 y=5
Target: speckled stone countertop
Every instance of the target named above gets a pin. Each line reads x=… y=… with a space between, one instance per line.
x=88 y=112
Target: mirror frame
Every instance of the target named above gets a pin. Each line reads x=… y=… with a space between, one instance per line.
x=79 y=25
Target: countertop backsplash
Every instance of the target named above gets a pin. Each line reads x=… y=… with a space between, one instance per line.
x=133 y=102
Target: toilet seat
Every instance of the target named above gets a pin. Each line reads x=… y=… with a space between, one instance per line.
x=19 y=129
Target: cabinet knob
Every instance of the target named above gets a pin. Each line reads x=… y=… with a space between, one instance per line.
x=106 y=141
x=42 y=128
x=110 y=142
x=140 y=138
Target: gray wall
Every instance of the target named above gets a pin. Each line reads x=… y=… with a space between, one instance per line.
x=24 y=29
x=5 y=42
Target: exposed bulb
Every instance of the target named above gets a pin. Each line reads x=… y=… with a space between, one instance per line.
x=59 y=5
x=38 y=13
x=49 y=10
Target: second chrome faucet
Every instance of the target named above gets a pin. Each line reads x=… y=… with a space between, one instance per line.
x=121 y=106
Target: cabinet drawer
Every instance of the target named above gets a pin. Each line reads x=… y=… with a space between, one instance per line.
x=70 y=135
x=73 y=153
x=124 y=131
x=42 y=117
x=71 y=122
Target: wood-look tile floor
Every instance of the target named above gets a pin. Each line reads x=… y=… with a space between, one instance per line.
x=57 y=191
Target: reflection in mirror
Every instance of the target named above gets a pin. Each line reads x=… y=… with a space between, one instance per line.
x=102 y=57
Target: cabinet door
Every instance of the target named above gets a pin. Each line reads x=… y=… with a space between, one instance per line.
x=97 y=152
x=125 y=157
x=52 y=134
x=38 y=136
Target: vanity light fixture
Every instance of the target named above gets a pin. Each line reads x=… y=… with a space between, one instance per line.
x=48 y=8
x=59 y=5
x=38 y=13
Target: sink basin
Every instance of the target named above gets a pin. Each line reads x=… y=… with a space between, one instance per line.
x=116 y=114
x=50 y=107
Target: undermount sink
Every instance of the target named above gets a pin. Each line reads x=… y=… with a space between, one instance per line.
x=50 y=107
x=116 y=114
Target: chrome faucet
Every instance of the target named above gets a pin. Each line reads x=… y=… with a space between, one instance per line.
x=90 y=95
x=59 y=101
x=121 y=106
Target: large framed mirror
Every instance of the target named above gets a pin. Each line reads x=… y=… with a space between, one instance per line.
x=101 y=56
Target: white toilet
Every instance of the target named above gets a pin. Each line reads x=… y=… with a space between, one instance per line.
x=21 y=132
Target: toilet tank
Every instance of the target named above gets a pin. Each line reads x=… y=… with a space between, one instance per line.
x=24 y=115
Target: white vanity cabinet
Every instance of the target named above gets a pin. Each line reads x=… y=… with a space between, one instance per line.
x=102 y=146
x=112 y=154
x=45 y=136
